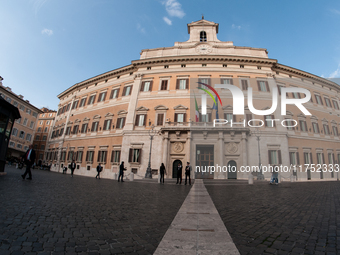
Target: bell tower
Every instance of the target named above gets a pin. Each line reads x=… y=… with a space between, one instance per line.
x=203 y=31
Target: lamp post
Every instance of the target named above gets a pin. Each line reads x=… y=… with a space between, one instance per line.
x=152 y=133
x=260 y=176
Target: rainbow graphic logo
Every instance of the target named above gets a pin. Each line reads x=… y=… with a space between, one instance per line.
x=209 y=93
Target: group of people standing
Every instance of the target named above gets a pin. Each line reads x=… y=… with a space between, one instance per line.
x=188 y=168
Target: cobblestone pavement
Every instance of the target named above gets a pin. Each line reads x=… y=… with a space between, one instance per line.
x=289 y=218
x=57 y=214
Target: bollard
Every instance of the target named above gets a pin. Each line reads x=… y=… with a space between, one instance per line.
x=131 y=176
x=115 y=176
x=250 y=179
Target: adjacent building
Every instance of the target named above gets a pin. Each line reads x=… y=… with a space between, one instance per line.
x=109 y=118
x=23 y=130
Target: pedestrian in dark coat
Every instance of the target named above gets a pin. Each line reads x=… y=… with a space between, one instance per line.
x=162 y=171
x=72 y=167
x=179 y=173
x=121 y=171
x=188 y=173
x=29 y=158
x=99 y=169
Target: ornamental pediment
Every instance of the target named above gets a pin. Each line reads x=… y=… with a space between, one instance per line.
x=109 y=115
x=77 y=121
x=227 y=107
x=95 y=117
x=180 y=107
x=161 y=107
x=289 y=113
x=122 y=112
x=334 y=122
x=142 y=109
x=313 y=117
x=86 y=119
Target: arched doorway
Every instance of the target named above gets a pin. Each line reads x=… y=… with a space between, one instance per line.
x=232 y=170
x=174 y=168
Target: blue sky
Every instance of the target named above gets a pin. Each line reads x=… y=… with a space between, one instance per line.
x=46 y=46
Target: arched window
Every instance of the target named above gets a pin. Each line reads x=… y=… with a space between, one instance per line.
x=203 y=36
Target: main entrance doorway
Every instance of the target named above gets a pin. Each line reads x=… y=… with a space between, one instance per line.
x=204 y=159
x=174 y=168
x=232 y=170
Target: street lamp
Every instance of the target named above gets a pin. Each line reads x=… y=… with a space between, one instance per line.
x=260 y=176
x=152 y=133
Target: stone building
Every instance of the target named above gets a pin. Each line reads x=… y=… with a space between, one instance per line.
x=108 y=118
x=24 y=128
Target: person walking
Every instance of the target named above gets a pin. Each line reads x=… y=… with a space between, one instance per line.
x=99 y=169
x=29 y=158
x=188 y=173
x=72 y=167
x=121 y=171
x=179 y=174
x=162 y=171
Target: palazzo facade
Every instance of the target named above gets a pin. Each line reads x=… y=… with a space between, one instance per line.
x=109 y=118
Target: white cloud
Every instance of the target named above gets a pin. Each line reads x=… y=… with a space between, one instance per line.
x=233 y=26
x=335 y=11
x=167 y=21
x=46 y=31
x=336 y=73
x=174 y=8
x=140 y=28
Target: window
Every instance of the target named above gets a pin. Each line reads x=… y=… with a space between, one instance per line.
x=146 y=86
x=75 y=129
x=230 y=117
x=318 y=99
x=94 y=126
x=203 y=36
x=135 y=155
x=22 y=134
x=335 y=131
x=82 y=102
x=42 y=147
x=120 y=122
x=84 y=128
x=107 y=124
x=79 y=157
x=241 y=66
x=127 y=91
x=249 y=116
x=19 y=146
x=303 y=126
x=331 y=161
x=70 y=155
x=115 y=156
x=28 y=137
x=75 y=104
x=328 y=102
x=41 y=122
x=290 y=124
x=315 y=128
x=39 y=129
x=268 y=121
x=326 y=129
x=44 y=138
x=102 y=97
x=203 y=80
x=91 y=99
x=89 y=156
x=307 y=156
x=102 y=156
x=244 y=84
x=263 y=86
x=296 y=95
x=45 y=129
x=294 y=158
x=114 y=93
x=227 y=81
x=148 y=68
x=61 y=132
x=274 y=157
x=15 y=103
x=35 y=114
x=183 y=65
x=28 y=111
x=180 y=117
x=68 y=107
x=48 y=122
x=336 y=106
x=11 y=144
x=164 y=85
x=166 y=66
x=31 y=124
x=182 y=84
x=25 y=122
x=22 y=108
x=160 y=119
x=18 y=120
x=68 y=131
x=15 y=132
x=140 y=120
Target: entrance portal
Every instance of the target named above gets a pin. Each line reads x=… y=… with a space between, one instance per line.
x=204 y=159
x=232 y=170
x=174 y=168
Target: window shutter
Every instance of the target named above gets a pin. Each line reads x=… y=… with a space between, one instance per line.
x=321 y=100
x=267 y=86
x=130 y=155
x=145 y=116
x=221 y=81
x=175 y=119
x=258 y=85
x=118 y=122
x=140 y=156
x=297 y=158
x=124 y=91
x=99 y=153
x=87 y=156
x=299 y=96
x=177 y=83
x=279 y=156
x=186 y=83
x=150 y=86
x=244 y=84
x=279 y=90
x=93 y=125
x=105 y=154
x=311 y=97
x=112 y=154
x=111 y=95
x=142 y=86
x=265 y=122
x=311 y=157
x=118 y=92
x=209 y=117
x=123 y=122
x=273 y=121
x=98 y=97
x=130 y=90
x=231 y=81
x=209 y=81
x=269 y=158
x=105 y=123
x=234 y=118
x=160 y=118
x=316 y=98
x=137 y=120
